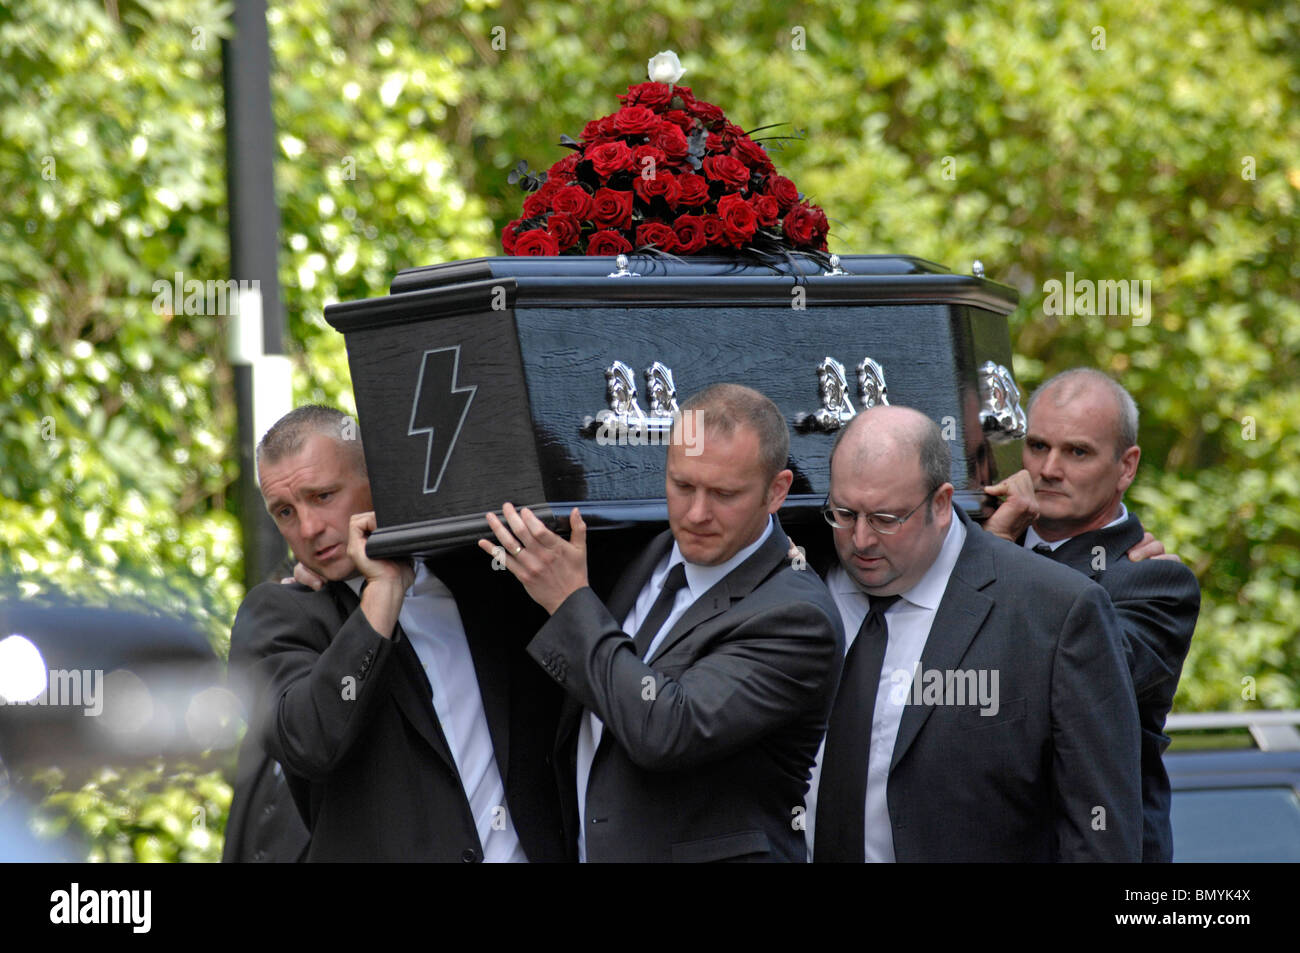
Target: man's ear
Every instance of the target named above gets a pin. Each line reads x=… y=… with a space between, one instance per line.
x=1129 y=466
x=942 y=501
x=777 y=490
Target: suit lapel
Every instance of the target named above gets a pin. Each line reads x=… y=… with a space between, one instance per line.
x=737 y=584
x=957 y=620
x=414 y=695
x=410 y=689
x=624 y=595
x=1116 y=541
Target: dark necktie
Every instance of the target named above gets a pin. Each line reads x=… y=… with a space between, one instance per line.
x=661 y=609
x=842 y=790
x=1044 y=550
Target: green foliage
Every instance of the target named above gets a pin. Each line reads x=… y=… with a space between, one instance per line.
x=1155 y=141
x=148 y=814
x=1165 y=148
x=117 y=437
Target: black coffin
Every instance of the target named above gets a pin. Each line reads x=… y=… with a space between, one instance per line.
x=483 y=381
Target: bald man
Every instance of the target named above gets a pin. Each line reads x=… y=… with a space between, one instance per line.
x=985 y=712
x=1080 y=455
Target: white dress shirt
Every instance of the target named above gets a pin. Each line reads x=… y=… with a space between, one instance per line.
x=699 y=580
x=430 y=619
x=908 y=620
x=1032 y=539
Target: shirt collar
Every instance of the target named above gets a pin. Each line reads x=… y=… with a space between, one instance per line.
x=426 y=583
x=700 y=579
x=1032 y=539
x=929 y=589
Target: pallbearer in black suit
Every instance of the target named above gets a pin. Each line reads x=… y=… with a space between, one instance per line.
x=409 y=722
x=698 y=694
x=1080 y=455
x=986 y=711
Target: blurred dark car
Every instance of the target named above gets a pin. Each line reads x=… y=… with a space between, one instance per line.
x=83 y=686
x=1236 y=786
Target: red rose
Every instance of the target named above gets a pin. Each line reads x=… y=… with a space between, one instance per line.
x=751 y=153
x=607 y=129
x=671 y=140
x=609 y=158
x=708 y=112
x=679 y=118
x=658 y=234
x=765 y=209
x=572 y=200
x=728 y=171
x=564 y=228
x=536 y=242
x=805 y=225
x=608 y=243
x=537 y=203
x=635 y=120
x=566 y=169
x=715 y=143
x=592 y=131
x=690 y=234
x=819 y=219
x=685 y=98
x=611 y=208
x=694 y=190
x=738 y=221
x=783 y=190
x=540 y=201
x=713 y=231
x=647 y=94
x=641 y=153
x=508 y=237
x=664 y=185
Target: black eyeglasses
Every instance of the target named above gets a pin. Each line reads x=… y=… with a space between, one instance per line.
x=884 y=523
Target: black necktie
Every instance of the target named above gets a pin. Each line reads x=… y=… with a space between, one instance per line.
x=842 y=791
x=662 y=607
x=1044 y=550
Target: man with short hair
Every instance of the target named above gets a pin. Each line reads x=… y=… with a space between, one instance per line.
x=1080 y=455
x=698 y=694
x=408 y=725
x=967 y=723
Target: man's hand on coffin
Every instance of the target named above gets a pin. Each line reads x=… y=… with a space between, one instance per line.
x=386 y=580
x=1018 y=509
x=550 y=567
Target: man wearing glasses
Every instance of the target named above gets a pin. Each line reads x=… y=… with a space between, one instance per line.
x=985 y=711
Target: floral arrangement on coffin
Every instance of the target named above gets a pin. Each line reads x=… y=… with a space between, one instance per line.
x=666 y=173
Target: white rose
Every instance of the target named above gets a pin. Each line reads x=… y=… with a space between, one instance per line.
x=665 y=67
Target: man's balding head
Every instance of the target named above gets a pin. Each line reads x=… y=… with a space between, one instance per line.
x=899 y=432
x=1081 y=451
x=1082 y=382
x=288 y=435
x=891 y=460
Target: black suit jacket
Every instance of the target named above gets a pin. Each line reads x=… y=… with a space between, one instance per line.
x=1158 y=601
x=707 y=748
x=349 y=714
x=264 y=825
x=1053 y=775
